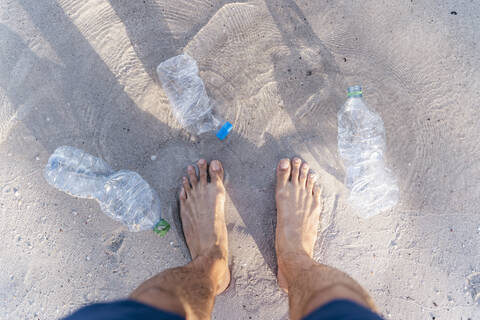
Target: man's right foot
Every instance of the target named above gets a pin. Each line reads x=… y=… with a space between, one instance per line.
x=298 y=212
x=202 y=209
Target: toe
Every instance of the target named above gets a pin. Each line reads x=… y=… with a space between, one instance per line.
x=202 y=168
x=303 y=174
x=283 y=172
x=182 y=196
x=295 y=170
x=316 y=193
x=186 y=186
x=183 y=201
x=311 y=182
x=192 y=175
x=216 y=170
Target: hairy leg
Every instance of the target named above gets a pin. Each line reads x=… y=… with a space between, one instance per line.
x=308 y=283
x=190 y=290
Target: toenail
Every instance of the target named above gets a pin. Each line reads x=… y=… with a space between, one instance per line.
x=284 y=164
x=201 y=161
x=296 y=160
x=190 y=169
x=215 y=165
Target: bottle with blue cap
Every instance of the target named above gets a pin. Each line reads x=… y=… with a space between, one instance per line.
x=361 y=145
x=188 y=97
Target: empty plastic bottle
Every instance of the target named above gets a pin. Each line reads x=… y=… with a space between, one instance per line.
x=188 y=97
x=361 y=144
x=123 y=195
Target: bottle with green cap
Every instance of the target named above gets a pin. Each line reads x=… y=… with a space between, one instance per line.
x=361 y=145
x=188 y=97
x=123 y=195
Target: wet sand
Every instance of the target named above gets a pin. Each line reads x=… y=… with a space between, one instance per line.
x=82 y=73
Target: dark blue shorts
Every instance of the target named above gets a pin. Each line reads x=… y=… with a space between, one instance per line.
x=128 y=310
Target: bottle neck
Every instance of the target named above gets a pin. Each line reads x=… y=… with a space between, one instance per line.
x=354 y=92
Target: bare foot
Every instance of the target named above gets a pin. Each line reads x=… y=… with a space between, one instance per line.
x=298 y=211
x=202 y=209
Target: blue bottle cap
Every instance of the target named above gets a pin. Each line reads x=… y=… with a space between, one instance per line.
x=224 y=130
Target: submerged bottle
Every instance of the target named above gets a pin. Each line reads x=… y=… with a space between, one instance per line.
x=123 y=195
x=188 y=97
x=361 y=144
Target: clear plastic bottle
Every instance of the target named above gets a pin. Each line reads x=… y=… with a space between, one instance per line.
x=361 y=144
x=188 y=97
x=123 y=195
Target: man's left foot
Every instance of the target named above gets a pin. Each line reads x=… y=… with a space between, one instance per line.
x=202 y=210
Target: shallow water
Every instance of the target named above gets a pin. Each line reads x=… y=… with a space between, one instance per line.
x=82 y=73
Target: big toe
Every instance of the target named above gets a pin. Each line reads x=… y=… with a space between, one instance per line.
x=283 y=172
x=216 y=170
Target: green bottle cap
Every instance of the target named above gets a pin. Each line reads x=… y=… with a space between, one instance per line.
x=162 y=227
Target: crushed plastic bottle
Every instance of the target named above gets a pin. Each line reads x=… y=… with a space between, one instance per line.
x=188 y=97
x=361 y=144
x=473 y=286
x=123 y=195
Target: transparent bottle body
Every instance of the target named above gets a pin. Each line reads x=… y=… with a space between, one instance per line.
x=188 y=97
x=361 y=144
x=123 y=195
x=205 y=123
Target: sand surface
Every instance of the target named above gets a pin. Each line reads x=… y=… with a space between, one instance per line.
x=82 y=73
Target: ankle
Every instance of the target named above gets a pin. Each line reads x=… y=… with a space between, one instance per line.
x=208 y=263
x=294 y=263
x=293 y=259
x=212 y=265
